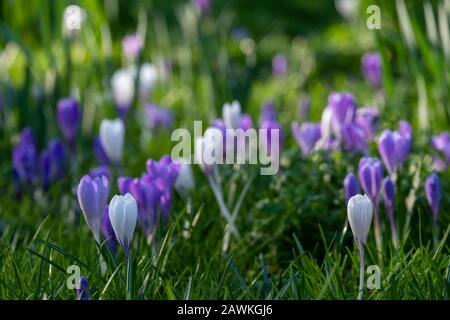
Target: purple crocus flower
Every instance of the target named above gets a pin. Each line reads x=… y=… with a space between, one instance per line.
x=268 y=121
x=203 y=5
x=246 y=122
x=371 y=69
x=279 y=65
x=388 y=194
x=433 y=194
x=99 y=152
x=51 y=163
x=108 y=231
x=388 y=150
x=441 y=143
x=354 y=137
x=370 y=172
x=342 y=106
x=83 y=289
x=403 y=141
x=25 y=159
x=68 y=115
x=132 y=45
x=268 y=112
x=101 y=171
x=367 y=118
x=92 y=197
x=158 y=117
x=351 y=186
x=306 y=135
x=304 y=105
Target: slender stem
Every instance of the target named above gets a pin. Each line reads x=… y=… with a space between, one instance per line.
x=130 y=278
x=435 y=233
x=361 y=271
x=394 y=230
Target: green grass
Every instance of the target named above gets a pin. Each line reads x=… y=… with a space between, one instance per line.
x=291 y=244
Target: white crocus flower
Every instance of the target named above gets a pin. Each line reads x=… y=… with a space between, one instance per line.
x=112 y=135
x=123 y=216
x=231 y=114
x=122 y=84
x=148 y=76
x=359 y=211
x=185 y=180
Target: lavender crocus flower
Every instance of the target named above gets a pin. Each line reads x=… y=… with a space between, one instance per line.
x=279 y=65
x=371 y=69
x=306 y=135
x=68 y=115
x=203 y=5
x=268 y=121
x=371 y=175
x=404 y=141
x=388 y=150
x=92 y=197
x=99 y=152
x=132 y=45
x=25 y=159
x=342 y=106
x=157 y=117
x=51 y=163
x=351 y=186
x=441 y=143
x=83 y=289
x=354 y=137
x=367 y=118
x=101 y=171
x=108 y=231
x=433 y=194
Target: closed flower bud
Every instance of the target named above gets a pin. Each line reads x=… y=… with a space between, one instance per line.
x=148 y=75
x=68 y=115
x=387 y=149
x=306 y=135
x=351 y=186
x=112 y=135
x=433 y=194
x=232 y=114
x=122 y=84
x=371 y=69
x=359 y=211
x=123 y=217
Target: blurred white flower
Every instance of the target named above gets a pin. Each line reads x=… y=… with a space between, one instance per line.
x=112 y=135
x=231 y=114
x=122 y=84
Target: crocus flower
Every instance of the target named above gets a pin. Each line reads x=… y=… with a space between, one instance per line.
x=371 y=69
x=83 y=289
x=279 y=65
x=268 y=121
x=92 y=197
x=112 y=135
x=122 y=84
x=203 y=5
x=25 y=159
x=108 y=231
x=184 y=183
x=388 y=193
x=342 y=106
x=209 y=150
x=433 y=194
x=359 y=212
x=306 y=135
x=441 y=143
x=231 y=114
x=148 y=76
x=403 y=141
x=388 y=150
x=158 y=117
x=51 y=163
x=351 y=186
x=367 y=118
x=371 y=175
x=132 y=45
x=354 y=137
x=99 y=152
x=68 y=115
x=123 y=217
x=101 y=171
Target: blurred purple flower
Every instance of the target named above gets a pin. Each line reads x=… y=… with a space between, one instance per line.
x=370 y=172
x=371 y=69
x=25 y=159
x=367 y=118
x=51 y=163
x=342 y=106
x=83 y=289
x=101 y=171
x=351 y=186
x=132 y=45
x=203 y=5
x=304 y=105
x=388 y=194
x=306 y=135
x=441 y=143
x=388 y=150
x=279 y=65
x=68 y=115
x=108 y=231
x=99 y=152
x=433 y=194
x=404 y=141
x=158 y=117
x=354 y=137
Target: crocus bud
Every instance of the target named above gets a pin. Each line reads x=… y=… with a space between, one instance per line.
x=433 y=194
x=101 y=171
x=203 y=5
x=306 y=135
x=68 y=115
x=51 y=163
x=279 y=65
x=441 y=143
x=371 y=69
x=359 y=211
x=112 y=135
x=343 y=108
x=132 y=45
x=108 y=231
x=354 y=137
x=232 y=114
x=123 y=217
x=148 y=75
x=158 y=117
x=371 y=175
x=82 y=289
x=388 y=193
x=92 y=197
x=122 y=84
x=367 y=118
x=351 y=186
x=25 y=158
x=387 y=149
x=185 y=180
